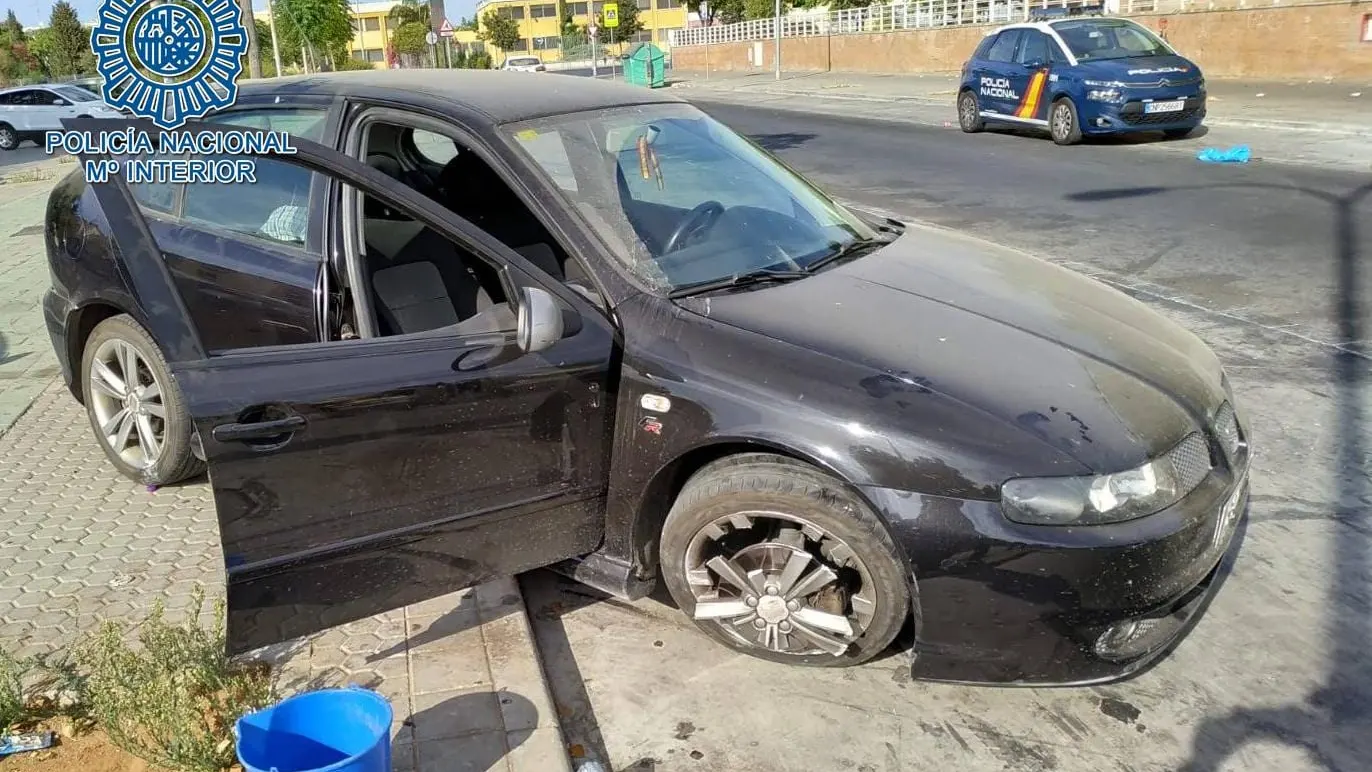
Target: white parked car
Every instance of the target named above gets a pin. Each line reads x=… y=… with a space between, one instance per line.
x=524 y=64
x=26 y=112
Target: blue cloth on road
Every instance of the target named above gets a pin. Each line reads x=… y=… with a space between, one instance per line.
x=1238 y=154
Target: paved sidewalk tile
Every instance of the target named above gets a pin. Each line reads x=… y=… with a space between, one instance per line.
x=81 y=544
x=27 y=364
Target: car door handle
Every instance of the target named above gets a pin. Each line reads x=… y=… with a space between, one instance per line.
x=258 y=430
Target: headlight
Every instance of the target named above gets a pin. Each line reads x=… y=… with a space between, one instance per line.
x=1103 y=83
x=1109 y=498
x=1105 y=95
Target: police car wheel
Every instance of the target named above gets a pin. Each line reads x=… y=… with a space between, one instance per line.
x=969 y=113
x=1063 y=124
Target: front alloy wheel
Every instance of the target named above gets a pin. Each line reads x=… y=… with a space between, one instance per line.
x=9 y=140
x=793 y=588
x=1063 y=124
x=778 y=560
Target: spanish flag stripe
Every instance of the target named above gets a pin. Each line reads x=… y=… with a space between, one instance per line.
x=1029 y=106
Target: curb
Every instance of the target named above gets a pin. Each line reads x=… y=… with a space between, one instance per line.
x=535 y=742
x=1340 y=129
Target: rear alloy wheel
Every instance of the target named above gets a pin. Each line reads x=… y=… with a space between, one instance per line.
x=969 y=113
x=134 y=406
x=780 y=561
x=9 y=139
x=1062 y=122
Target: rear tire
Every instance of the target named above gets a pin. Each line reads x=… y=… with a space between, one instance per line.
x=969 y=113
x=9 y=138
x=148 y=437
x=1063 y=123
x=759 y=514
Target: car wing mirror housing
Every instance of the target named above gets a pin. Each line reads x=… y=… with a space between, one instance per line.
x=542 y=321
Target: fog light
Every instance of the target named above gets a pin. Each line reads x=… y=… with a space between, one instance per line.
x=1102 y=122
x=1135 y=637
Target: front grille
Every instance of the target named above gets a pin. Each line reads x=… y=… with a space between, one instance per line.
x=1153 y=119
x=1190 y=462
x=1226 y=428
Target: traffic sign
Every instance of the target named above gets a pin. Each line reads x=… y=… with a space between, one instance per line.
x=611 y=11
x=592 y=30
x=445 y=29
x=431 y=38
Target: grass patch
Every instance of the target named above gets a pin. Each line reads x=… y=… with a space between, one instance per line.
x=66 y=159
x=166 y=693
x=12 y=709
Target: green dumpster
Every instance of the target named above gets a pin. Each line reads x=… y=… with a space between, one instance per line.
x=646 y=65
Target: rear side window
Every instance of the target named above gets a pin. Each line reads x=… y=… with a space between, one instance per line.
x=277 y=206
x=983 y=47
x=1003 y=50
x=1035 y=48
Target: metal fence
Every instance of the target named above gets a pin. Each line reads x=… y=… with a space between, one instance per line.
x=925 y=14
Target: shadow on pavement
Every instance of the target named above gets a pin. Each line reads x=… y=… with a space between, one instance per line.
x=1334 y=723
x=456 y=734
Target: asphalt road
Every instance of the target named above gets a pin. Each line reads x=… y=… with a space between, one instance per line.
x=1270 y=265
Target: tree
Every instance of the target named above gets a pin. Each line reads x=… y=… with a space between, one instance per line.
x=501 y=31
x=409 y=38
x=71 y=50
x=407 y=11
x=726 y=11
x=760 y=9
x=254 y=53
x=629 y=25
x=321 y=27
x=12 y=31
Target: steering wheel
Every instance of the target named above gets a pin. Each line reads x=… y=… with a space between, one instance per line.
x=698 y=220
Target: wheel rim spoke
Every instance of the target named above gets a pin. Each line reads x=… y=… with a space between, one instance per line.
x=116 y=421
x=822 y=620
x=105 y=380
x=820 y=639
x=128 y=362
x=795 y=566
x=731 y=573
x=721 y=609
x=125 y=428
x=812 y=583
x=150 y=392
x=147 y=439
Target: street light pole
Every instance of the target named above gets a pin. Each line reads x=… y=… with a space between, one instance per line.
x=778 y=42
x=276 y=49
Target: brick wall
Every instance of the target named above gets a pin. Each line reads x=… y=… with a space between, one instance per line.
x=1294 y=42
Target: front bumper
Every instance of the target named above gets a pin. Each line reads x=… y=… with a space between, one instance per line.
x=1001 y=603
x=1132 y=115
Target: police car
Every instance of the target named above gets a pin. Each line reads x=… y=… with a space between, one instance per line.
x=1080 y=75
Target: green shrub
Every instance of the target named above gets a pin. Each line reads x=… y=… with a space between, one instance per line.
x=173 y=697
x=12 y=672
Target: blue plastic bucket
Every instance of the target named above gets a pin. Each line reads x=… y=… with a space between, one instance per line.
x=330 y=730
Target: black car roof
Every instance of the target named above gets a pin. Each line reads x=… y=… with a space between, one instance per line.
x=503 y=97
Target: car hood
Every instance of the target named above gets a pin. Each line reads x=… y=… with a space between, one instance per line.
x=1139 y=68
x=1086 y=369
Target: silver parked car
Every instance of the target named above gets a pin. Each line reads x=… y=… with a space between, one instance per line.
x=524 y=64
x=26 y=112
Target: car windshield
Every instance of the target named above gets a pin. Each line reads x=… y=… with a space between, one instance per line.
x=74 y=94
x=682 y=199
x=1095 y=39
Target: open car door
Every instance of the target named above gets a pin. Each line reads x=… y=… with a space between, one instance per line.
x=357 y=476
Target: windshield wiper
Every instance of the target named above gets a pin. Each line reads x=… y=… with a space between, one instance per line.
x=851 y=249
x=736 y=280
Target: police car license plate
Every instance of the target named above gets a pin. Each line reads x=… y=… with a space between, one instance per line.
x=1164 y=107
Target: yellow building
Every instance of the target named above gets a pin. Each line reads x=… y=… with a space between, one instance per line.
x=372 y=29
x=541 y=30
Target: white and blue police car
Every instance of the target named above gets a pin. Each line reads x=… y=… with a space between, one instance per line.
x=1080 y=75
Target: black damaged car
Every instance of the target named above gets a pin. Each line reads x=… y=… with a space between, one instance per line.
x=482 y=323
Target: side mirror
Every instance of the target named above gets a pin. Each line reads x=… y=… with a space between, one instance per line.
x=540 y=322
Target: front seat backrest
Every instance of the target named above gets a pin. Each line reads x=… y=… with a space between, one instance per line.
x=413 y=298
